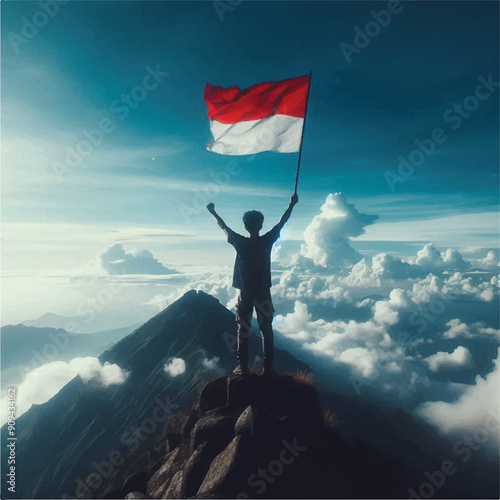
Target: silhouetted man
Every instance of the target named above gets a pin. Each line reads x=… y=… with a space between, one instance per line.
x=252 y=275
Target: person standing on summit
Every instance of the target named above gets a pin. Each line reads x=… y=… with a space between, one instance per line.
x=252 y=276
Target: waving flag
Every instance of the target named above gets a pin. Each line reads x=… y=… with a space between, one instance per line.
x=264 y=117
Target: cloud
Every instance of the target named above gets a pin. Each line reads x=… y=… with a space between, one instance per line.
x=457 y=329
x=490 y=262
x=430 y=258
x=385 y=311
x=363 y=360
x=459 y=358
x=326 y=239
x=44 y=382
x=116 y=262
x=211 y=363
x=476 y=408
x=175 y=367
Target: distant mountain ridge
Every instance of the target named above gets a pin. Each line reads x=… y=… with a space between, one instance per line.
x=59 y=440
x=25 y=348
x=93 y=319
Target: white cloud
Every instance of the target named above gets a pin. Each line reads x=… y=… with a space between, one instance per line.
x=327 y=236
x=490 y=262
x=452 y=259
x=116 y=261
x=363 y=360
x=429 y=256
x=386 y=311
x=294 y=325
x=457 y=329
x=46 y=381
x=211 y=364
x=459 y=358
x=175 y=367
x=476 y=408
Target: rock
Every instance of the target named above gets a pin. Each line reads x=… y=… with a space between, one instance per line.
x=214 y=429
x=229 y=471
x=188 y=424
x=161 y=479
x=213 y=395
x=263 y=427
x=245 y=422
x=156 y=466
x=136 y=482
x=194 y=471
x=173 y=440
x=281 y=395
x=174 y=490
x=135 y=495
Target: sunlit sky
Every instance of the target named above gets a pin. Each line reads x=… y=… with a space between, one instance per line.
x=135 y=186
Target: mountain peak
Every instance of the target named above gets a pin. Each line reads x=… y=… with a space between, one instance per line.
x=196 y=331
x=196 y=298
x=239 y=425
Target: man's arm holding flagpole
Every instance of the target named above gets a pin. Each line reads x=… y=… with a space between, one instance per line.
x=288 y=212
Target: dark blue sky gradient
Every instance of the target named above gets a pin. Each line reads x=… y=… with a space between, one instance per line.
x=362 y=115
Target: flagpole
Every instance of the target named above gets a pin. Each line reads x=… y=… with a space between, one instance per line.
x=302 y=137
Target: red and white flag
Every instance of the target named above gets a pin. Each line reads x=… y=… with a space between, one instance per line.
x=263 y=117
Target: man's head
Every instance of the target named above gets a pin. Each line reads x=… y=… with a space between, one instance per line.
x=253 y=221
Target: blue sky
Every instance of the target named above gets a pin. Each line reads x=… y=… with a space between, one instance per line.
x=362 y=116
x=151 y=165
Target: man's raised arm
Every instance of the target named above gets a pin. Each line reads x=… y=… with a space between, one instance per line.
x=222 y=224
x=284 y=218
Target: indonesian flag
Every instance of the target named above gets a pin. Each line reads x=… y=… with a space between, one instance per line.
x=263 y=117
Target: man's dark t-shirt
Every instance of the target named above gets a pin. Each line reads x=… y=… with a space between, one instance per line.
x=252 y=268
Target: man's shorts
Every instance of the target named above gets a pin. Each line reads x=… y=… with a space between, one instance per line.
x=261 y=301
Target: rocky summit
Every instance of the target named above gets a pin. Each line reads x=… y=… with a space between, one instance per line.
x=247 y=437
x=258 y=437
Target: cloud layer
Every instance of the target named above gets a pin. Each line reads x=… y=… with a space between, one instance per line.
x=46 y=381
x=116 y=261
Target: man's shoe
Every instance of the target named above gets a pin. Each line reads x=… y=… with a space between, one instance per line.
x=240 y=371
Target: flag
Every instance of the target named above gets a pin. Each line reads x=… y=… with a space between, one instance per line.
x=264 y=117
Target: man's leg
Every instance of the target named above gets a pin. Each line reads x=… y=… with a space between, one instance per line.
x=244 y=310
x=265 y=309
